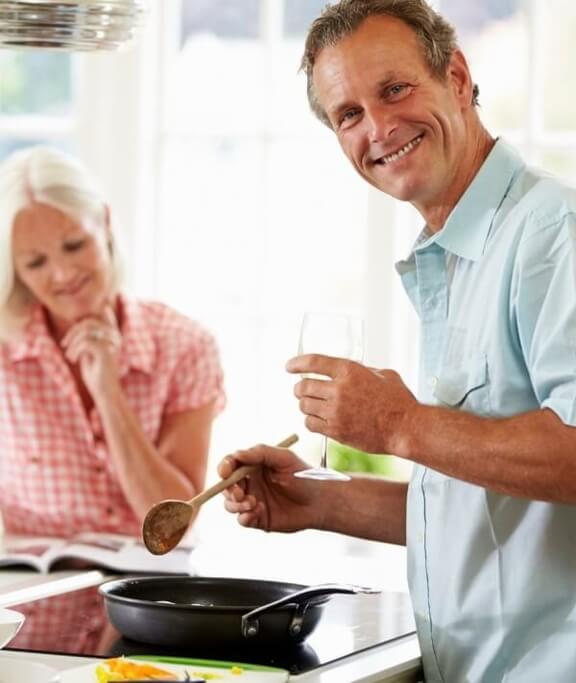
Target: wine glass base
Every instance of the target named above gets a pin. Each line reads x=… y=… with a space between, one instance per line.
x=322 y=474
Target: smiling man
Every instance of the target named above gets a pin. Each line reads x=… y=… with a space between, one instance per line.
x=408 y=131
x=489 y=516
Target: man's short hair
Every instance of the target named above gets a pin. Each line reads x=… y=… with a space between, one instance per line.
x=435 y=34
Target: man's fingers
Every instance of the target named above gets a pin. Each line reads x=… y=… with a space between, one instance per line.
x=317 y=364
x=226 y=466
x=313 y=407
x=234 y=492
x=317 y=424
x=315 y=388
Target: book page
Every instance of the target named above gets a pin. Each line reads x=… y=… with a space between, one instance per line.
x=34 y=551
x=122 y=553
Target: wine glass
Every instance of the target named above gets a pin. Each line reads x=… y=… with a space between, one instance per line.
x=330 y=334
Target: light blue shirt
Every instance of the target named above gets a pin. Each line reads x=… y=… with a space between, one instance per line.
x=493 y=578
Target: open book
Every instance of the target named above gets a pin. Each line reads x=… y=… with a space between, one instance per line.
x=119 y=553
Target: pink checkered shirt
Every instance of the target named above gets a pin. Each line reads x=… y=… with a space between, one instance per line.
x=56 y=475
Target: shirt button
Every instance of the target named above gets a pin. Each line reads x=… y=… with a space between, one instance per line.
x=109 y=511
x=433 y=381
x=99 y=469
x=420 y=537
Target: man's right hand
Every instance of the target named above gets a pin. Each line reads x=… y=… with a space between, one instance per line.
x=271 y=498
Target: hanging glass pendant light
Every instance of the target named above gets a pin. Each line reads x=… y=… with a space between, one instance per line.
x=69 y=24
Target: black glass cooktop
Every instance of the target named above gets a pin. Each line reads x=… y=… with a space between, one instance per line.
x=76 y=623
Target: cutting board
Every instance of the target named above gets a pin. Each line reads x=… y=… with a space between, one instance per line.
x=216 y=672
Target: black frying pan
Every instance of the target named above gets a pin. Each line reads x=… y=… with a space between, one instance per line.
x=177 y=611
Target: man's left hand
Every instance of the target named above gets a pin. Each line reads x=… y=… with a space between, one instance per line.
x=355 y=405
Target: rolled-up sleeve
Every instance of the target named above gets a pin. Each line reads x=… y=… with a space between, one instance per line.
x=197 y=378
x=545 y=313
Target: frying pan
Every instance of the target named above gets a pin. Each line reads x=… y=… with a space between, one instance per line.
x=185 y=611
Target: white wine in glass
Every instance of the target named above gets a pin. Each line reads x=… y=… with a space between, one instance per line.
x=330 y=334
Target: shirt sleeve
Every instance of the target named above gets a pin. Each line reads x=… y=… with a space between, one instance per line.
x=545 y=302
x=197 y=377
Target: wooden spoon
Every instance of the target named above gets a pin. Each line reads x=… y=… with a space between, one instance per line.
x=166 y=522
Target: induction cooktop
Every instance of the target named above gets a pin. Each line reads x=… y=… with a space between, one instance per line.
x=75 y=623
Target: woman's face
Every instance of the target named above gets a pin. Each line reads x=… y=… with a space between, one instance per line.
x=65 y=264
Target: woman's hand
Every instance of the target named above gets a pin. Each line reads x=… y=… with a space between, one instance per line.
x=94 y=344
x=271 y=498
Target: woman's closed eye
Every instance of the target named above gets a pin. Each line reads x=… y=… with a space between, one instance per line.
x=74 y=245
x=36 y=262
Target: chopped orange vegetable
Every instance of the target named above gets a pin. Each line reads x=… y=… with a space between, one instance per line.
x=119 y=669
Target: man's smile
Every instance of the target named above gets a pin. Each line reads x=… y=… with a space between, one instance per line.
x=403 y=151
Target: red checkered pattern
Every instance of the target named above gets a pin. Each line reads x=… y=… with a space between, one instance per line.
x=56 y=475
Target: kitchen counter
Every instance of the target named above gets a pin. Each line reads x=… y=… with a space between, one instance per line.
x=397 y=661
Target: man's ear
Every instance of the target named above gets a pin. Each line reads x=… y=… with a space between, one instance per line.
x=460 y=79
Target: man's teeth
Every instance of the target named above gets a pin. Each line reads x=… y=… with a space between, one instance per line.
x=401 y=152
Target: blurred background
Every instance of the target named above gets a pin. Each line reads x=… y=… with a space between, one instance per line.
x=238 y=207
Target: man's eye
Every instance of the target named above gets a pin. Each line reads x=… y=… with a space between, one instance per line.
x=347 y=117
x=397 y=91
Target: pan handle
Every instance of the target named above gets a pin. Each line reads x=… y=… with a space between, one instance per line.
x=301 y=599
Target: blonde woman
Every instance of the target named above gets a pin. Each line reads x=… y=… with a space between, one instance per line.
x=106 y=403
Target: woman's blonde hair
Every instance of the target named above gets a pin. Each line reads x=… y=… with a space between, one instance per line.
x=48 y=176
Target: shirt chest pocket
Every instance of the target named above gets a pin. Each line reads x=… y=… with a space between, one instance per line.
x=465 y=385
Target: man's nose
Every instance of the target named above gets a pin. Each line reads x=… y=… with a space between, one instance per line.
x=381 y=124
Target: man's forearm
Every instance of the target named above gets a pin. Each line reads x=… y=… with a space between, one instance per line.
x=368 y=508
x=532 y=455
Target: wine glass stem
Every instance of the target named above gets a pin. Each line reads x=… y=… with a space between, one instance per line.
x=324 y=459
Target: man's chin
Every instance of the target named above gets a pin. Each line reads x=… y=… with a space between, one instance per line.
x=403 y=193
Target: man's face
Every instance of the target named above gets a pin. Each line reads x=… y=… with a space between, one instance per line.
x=403 y=129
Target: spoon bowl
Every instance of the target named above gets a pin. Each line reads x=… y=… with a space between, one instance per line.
x=166 y=522
x=165 y=525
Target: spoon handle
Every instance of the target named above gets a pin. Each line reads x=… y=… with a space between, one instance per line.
x=236 y=476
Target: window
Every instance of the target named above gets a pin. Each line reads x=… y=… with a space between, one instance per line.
x=299 y=14
x=36 y=99
x=259 y=217
x=520 y=54
x=222 y=18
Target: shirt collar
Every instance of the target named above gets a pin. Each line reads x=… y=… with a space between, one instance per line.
x=467 y=228
x=35 y=340
x=137 y=350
